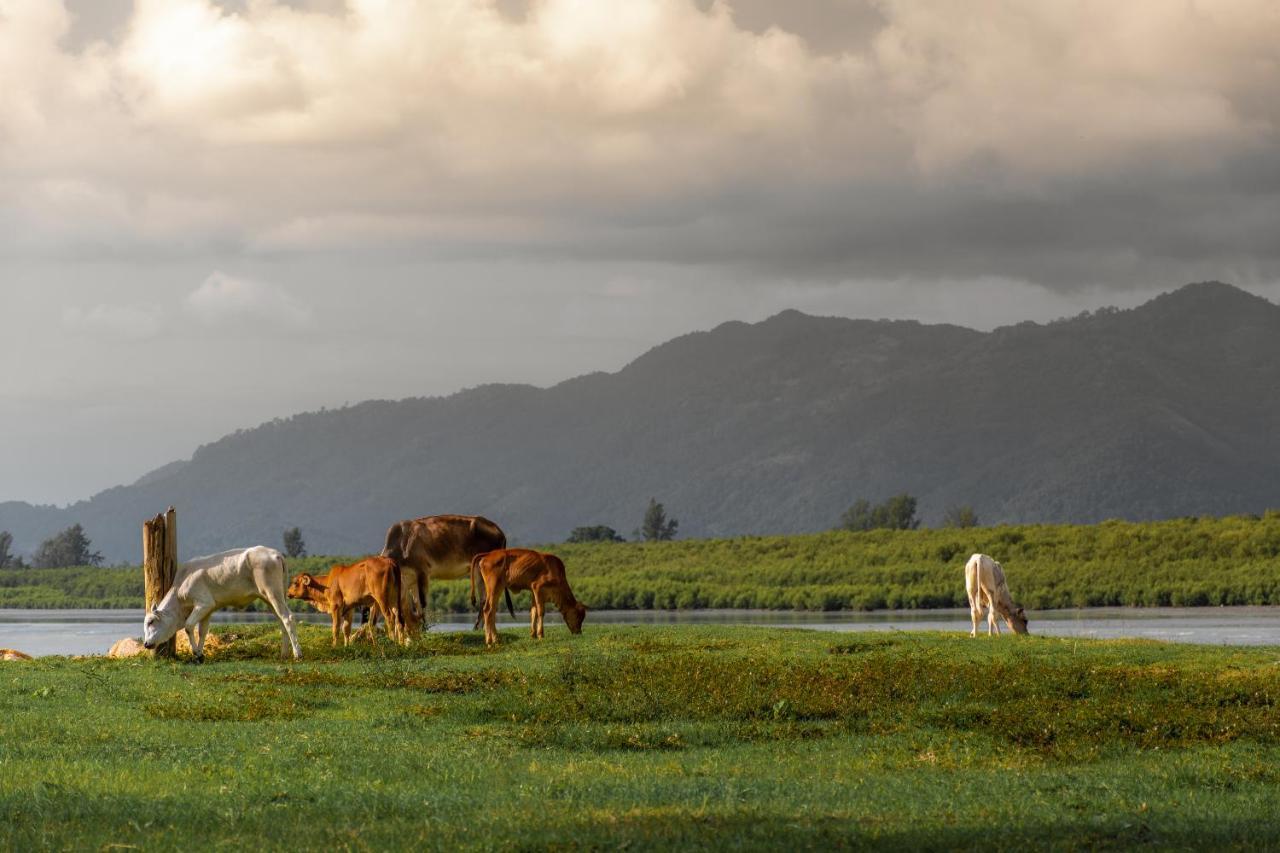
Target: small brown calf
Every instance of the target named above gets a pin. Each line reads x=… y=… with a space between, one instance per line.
x=372 y=581
x=521 y=568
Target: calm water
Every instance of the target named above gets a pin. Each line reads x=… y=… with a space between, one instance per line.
x=81 y=632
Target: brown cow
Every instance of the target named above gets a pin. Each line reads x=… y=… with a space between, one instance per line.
x=372 y=581
x=521 y=568
x=439 y=547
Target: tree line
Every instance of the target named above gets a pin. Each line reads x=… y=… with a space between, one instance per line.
x=1180 y=562
x=897 y=512
x=72 y=547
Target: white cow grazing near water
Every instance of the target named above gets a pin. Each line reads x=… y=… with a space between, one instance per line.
x=230 y=579
x=985 y=584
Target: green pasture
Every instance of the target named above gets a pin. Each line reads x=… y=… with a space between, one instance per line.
x=1183 y=562
x=647 y=738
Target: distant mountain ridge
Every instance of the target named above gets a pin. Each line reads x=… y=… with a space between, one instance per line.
x=1168 y=409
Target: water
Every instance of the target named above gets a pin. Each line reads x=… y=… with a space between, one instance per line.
x=90 y=632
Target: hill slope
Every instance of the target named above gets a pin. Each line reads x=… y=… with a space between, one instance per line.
x=1169 y=409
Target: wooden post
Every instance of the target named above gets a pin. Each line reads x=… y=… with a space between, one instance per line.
x=160 y=564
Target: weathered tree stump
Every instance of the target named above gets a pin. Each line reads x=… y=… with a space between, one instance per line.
x=160 y=564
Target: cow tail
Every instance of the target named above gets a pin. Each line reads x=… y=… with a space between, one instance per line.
x=506 y=559
x=422 y=591
x=475 y=568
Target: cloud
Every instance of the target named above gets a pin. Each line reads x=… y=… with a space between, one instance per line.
x=1064 y=145
x=222 y=300
x=120 y=322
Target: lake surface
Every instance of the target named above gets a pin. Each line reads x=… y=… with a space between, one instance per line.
x=89 y=632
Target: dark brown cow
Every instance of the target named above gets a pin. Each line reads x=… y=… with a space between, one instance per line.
x=521 y=568
x=436 y=547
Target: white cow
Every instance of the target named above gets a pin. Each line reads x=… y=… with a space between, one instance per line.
x=230 y=579
x=985 y=584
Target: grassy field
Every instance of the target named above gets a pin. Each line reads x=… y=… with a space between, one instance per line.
x=647 y=738
x=1184 y=562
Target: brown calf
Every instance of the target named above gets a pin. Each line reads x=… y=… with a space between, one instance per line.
x=372 y=581
x=520 y=568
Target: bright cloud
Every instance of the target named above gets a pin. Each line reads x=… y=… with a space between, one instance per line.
x=223 y=300
x=655 y=129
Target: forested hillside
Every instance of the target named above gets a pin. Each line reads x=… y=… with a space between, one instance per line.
x=1166 y=410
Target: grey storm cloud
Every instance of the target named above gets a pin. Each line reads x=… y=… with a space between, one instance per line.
x=1064 y=144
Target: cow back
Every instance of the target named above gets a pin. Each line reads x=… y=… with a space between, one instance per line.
x=442 y=539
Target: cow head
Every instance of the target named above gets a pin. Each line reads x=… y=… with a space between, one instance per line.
x=1018 y=621
x=299 y=585
x=158 y=626
x=573 y=616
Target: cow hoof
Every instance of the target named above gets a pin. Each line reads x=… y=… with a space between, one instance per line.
x=199 y=658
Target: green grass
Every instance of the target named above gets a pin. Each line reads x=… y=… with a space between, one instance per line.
x=1183 y=562
x=648 y=738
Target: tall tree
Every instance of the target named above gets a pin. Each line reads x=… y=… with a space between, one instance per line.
x=657 y=527
x=960 y=516
x=595 y=533
x=71 y=547
x=858 y=517
x=294 y=546
x=898 y=513
x=6 y=554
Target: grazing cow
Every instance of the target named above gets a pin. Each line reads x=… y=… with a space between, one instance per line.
x=985 y=584
x=13 y=654
x=521 y=568
x=230 y=579
x=372 y=581
x=440 y=547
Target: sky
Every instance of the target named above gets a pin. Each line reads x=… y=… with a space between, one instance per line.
x=217 y=213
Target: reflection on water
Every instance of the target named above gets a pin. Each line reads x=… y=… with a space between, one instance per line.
x=79 y=632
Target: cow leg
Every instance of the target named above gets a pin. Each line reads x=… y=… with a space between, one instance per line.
x=204 y=631
x=409 y=610
x=490 y=612
x=490 y=625
x=199 y=613
x=539 y=608
x=279 y=605
x=398 y=621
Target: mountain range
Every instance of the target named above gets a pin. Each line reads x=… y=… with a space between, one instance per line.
x=1168 y=409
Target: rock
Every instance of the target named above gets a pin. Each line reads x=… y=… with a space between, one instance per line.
x=129 y=647
x=13 y=654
